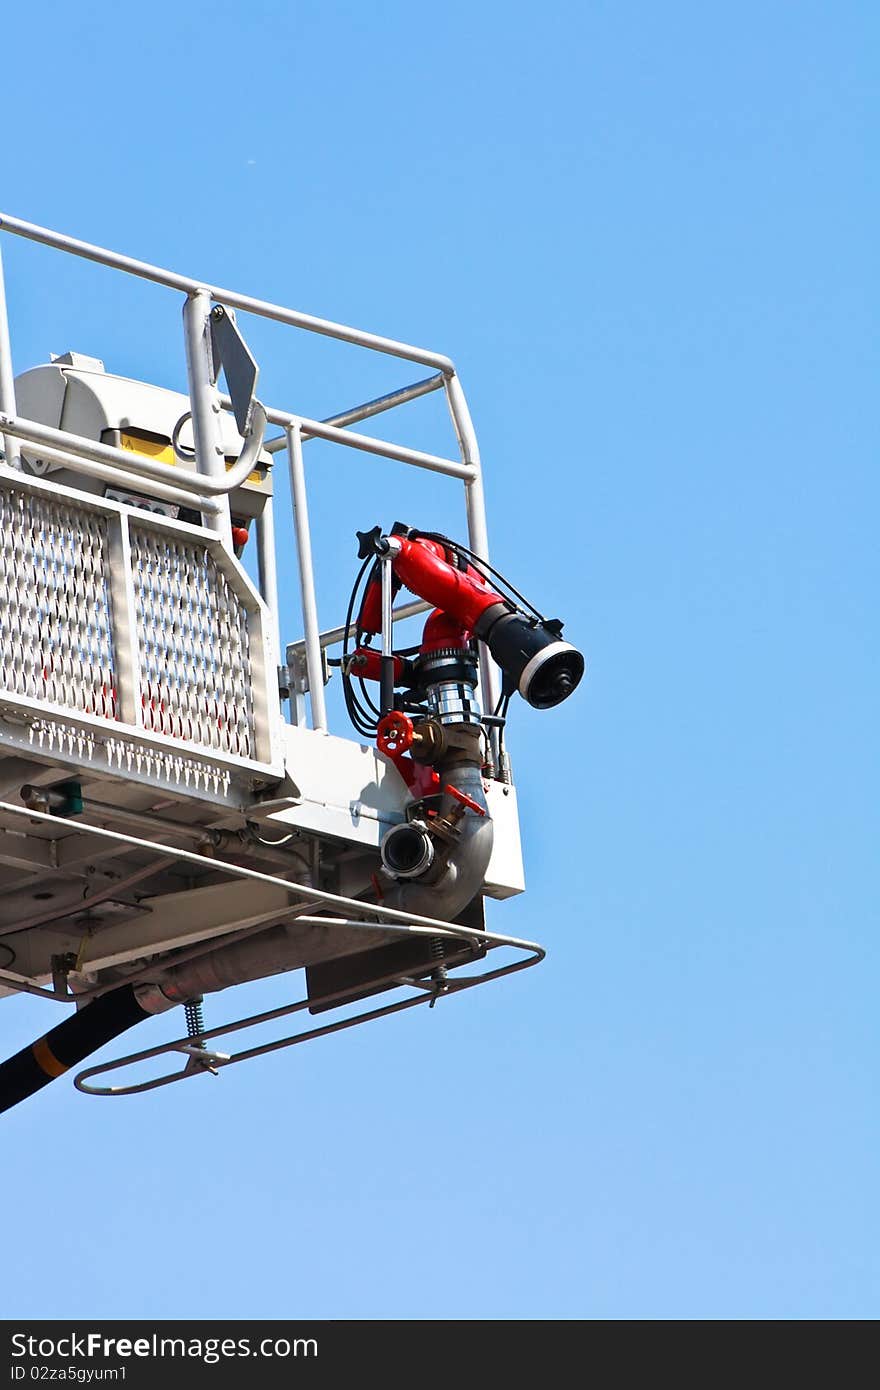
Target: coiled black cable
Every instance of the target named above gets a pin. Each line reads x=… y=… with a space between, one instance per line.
x=363 y=715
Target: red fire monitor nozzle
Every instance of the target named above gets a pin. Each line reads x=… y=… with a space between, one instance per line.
x=530 y=651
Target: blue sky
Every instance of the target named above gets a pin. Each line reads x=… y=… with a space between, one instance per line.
x=647 y=235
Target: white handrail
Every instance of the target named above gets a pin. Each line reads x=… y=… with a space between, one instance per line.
x=107 y=472
x=357 y=336
x=195 y=485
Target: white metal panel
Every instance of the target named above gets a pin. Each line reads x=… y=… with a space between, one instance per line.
x=505 y=875
x=39 y=395
x=346 y=789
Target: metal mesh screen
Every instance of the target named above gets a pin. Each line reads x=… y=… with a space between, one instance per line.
x=194 y=646
x=55 y=616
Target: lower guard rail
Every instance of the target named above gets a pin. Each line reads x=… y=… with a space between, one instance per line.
x=200 y=1059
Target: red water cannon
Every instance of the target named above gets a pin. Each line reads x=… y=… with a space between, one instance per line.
x=529 y=648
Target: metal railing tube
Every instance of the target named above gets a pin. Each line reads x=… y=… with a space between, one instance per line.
x=314 y=664
x=336 y=634
x=369 y=408
x=195 y=485
x=268 y=570
x=205 y=403
x=368 y=445
x=478 y=535
x=264 y=308
x=87 y=460
x=7 y=377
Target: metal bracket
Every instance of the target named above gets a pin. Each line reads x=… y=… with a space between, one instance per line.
x=298 y=671
x=230 y=351
x=61 y=968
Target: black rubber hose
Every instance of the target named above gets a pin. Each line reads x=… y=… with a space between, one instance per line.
x=77 y=1037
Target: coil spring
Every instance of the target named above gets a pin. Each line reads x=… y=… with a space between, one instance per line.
x=439 y=974
x=195 y=1019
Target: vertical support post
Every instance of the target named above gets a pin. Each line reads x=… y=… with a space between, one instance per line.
x=478 y=536
x=311 y=631
x=296 y=676
x=205 y=402
x=128 y=674
x=386 y=682
x=268 y=571
x=7 y=378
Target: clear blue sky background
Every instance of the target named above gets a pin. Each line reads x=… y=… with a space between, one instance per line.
x=647 y=233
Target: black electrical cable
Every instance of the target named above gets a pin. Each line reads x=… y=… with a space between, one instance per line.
x=357 y=713
x=6 y=963
x=351 y=602
x=503 y=706
x=368 y=699
x=351 y=704
x=481 y=566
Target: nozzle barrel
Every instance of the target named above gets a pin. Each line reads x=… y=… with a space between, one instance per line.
x=544 y=668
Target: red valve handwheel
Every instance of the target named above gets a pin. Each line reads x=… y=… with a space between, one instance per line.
x=395 y=734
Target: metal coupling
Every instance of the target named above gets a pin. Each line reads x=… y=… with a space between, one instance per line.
x=407 y=851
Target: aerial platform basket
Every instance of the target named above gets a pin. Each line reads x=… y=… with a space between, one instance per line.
x=169 y=785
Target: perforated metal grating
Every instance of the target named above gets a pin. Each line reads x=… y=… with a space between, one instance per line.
x=55 y=616
x=194 y=646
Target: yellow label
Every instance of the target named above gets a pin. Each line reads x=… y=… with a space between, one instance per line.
x=254 y=477
x=147 y=448
x=163 y=453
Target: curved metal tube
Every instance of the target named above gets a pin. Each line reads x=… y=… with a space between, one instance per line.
x=111 y=472
x=466 y=866
x=196 y=484
x=241 y=470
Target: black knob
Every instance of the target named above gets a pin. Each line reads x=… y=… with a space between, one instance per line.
x=370 y=543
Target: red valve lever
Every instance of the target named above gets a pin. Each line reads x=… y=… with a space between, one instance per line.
x=465 y=800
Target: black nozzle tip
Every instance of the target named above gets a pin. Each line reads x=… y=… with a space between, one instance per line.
x=535 y=661
x=554 y=678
